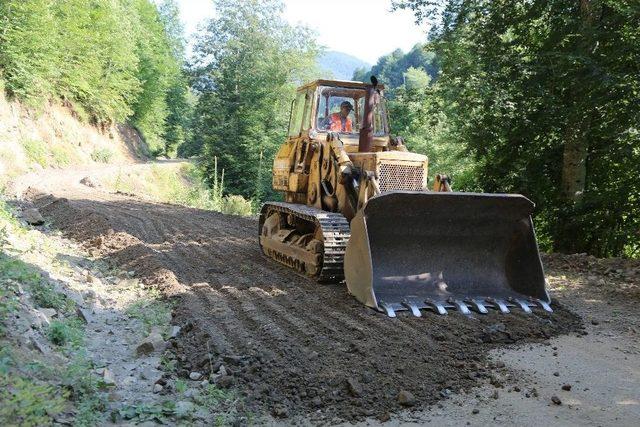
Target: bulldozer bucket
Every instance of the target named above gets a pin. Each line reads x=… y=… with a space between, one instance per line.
x=440 y=251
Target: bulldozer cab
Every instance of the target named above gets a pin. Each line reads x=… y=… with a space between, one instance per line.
x=318 y=106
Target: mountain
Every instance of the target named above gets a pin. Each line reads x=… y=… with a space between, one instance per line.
x=339 y=65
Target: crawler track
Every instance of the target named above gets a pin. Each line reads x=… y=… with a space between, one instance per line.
x=335 y=232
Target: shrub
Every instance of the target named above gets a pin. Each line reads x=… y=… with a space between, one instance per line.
x=61 y=156
x=36 y=151
x=66 y=331
x=27 y=403
x=236 y=205
x=102 y=155
x=44 y=295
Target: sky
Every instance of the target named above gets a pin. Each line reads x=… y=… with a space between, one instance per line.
x=371 y=29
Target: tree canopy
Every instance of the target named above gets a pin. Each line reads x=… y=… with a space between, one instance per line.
x=111 y=60
x=249 y=62
x=544 y=98
x=394 y=68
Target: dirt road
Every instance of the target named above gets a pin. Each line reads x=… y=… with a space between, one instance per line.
x=307 y=352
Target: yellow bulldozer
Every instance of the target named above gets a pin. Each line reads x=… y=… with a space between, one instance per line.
x=358 y=208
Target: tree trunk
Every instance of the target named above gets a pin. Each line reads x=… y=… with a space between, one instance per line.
x=574 y=167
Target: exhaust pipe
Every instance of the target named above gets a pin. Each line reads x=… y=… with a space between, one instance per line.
x=365 y=142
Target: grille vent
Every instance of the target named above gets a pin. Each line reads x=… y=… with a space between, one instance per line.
x=401 y=177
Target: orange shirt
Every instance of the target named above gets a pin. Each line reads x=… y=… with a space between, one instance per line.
x=336 y=124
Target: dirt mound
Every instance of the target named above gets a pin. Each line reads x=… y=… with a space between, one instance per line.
x=288 y=345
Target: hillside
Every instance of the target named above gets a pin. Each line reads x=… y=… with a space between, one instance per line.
x=340 y=65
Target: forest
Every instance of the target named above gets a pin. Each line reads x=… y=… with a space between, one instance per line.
x=540 y=98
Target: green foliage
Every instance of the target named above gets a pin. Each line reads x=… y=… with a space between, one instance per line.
x=83 y=390
x=13 y=274
x=416 y=114
x=65 y=332
x=8 y=298
x=220 y=402
x=36 y=151
x=213 y=396
x=27 y=403
x=18 y=271
x=96 y=57
x=61 y=156
x=45 y=295
x=28 y=51
x=180 y=101
x=395 y=68
x=249 y=61
x=181 y=386
x=544 y=97
x=102 y=155
x=236 y=205
x=111 y=60
x=157 y=68
x=156 y=412
x=152 y=312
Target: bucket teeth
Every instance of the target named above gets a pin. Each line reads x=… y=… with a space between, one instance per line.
x=479 y=304
x=461 y=306
x=502 y=306
x=545 y=305
x=523 y=304
x=413 y=307
x=388 y=309
x=438 y=306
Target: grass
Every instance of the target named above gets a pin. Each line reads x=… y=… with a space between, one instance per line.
x=25 y=402
x=181 y=386
x=83 y=389
x=62 y=156
x=36 y=151
x=156 y=412
x=184 y=186
x=66 y=332
x=9 y=300
x=33 y=388
x=152 y=311
x=102 y=155
x=219 y=402
x=44 y=295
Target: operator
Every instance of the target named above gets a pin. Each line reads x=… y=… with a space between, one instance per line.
x=340 y=122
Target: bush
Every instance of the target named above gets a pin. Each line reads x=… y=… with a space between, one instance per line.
x=36 y=151
x=61 y=156
x=236 y=205
x=102 y=155
x=27 y=403
x=66 y=331
x=44 y=295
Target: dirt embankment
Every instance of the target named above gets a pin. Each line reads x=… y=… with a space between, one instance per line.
x=288 y=345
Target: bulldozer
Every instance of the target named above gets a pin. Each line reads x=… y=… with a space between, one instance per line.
x=358 y=208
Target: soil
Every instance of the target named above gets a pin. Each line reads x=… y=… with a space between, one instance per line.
x=291 y=347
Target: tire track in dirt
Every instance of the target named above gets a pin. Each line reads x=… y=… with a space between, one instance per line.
x=286 y=341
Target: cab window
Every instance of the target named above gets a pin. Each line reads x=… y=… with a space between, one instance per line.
x=297 y=113
x=341 y=110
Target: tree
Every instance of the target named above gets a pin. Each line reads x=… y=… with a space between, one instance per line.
x=109 y=60
x=28 y=54
x=180 y=109
x=157 y=70
x=249 y=61
x=544 y=96
x=392 y=69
